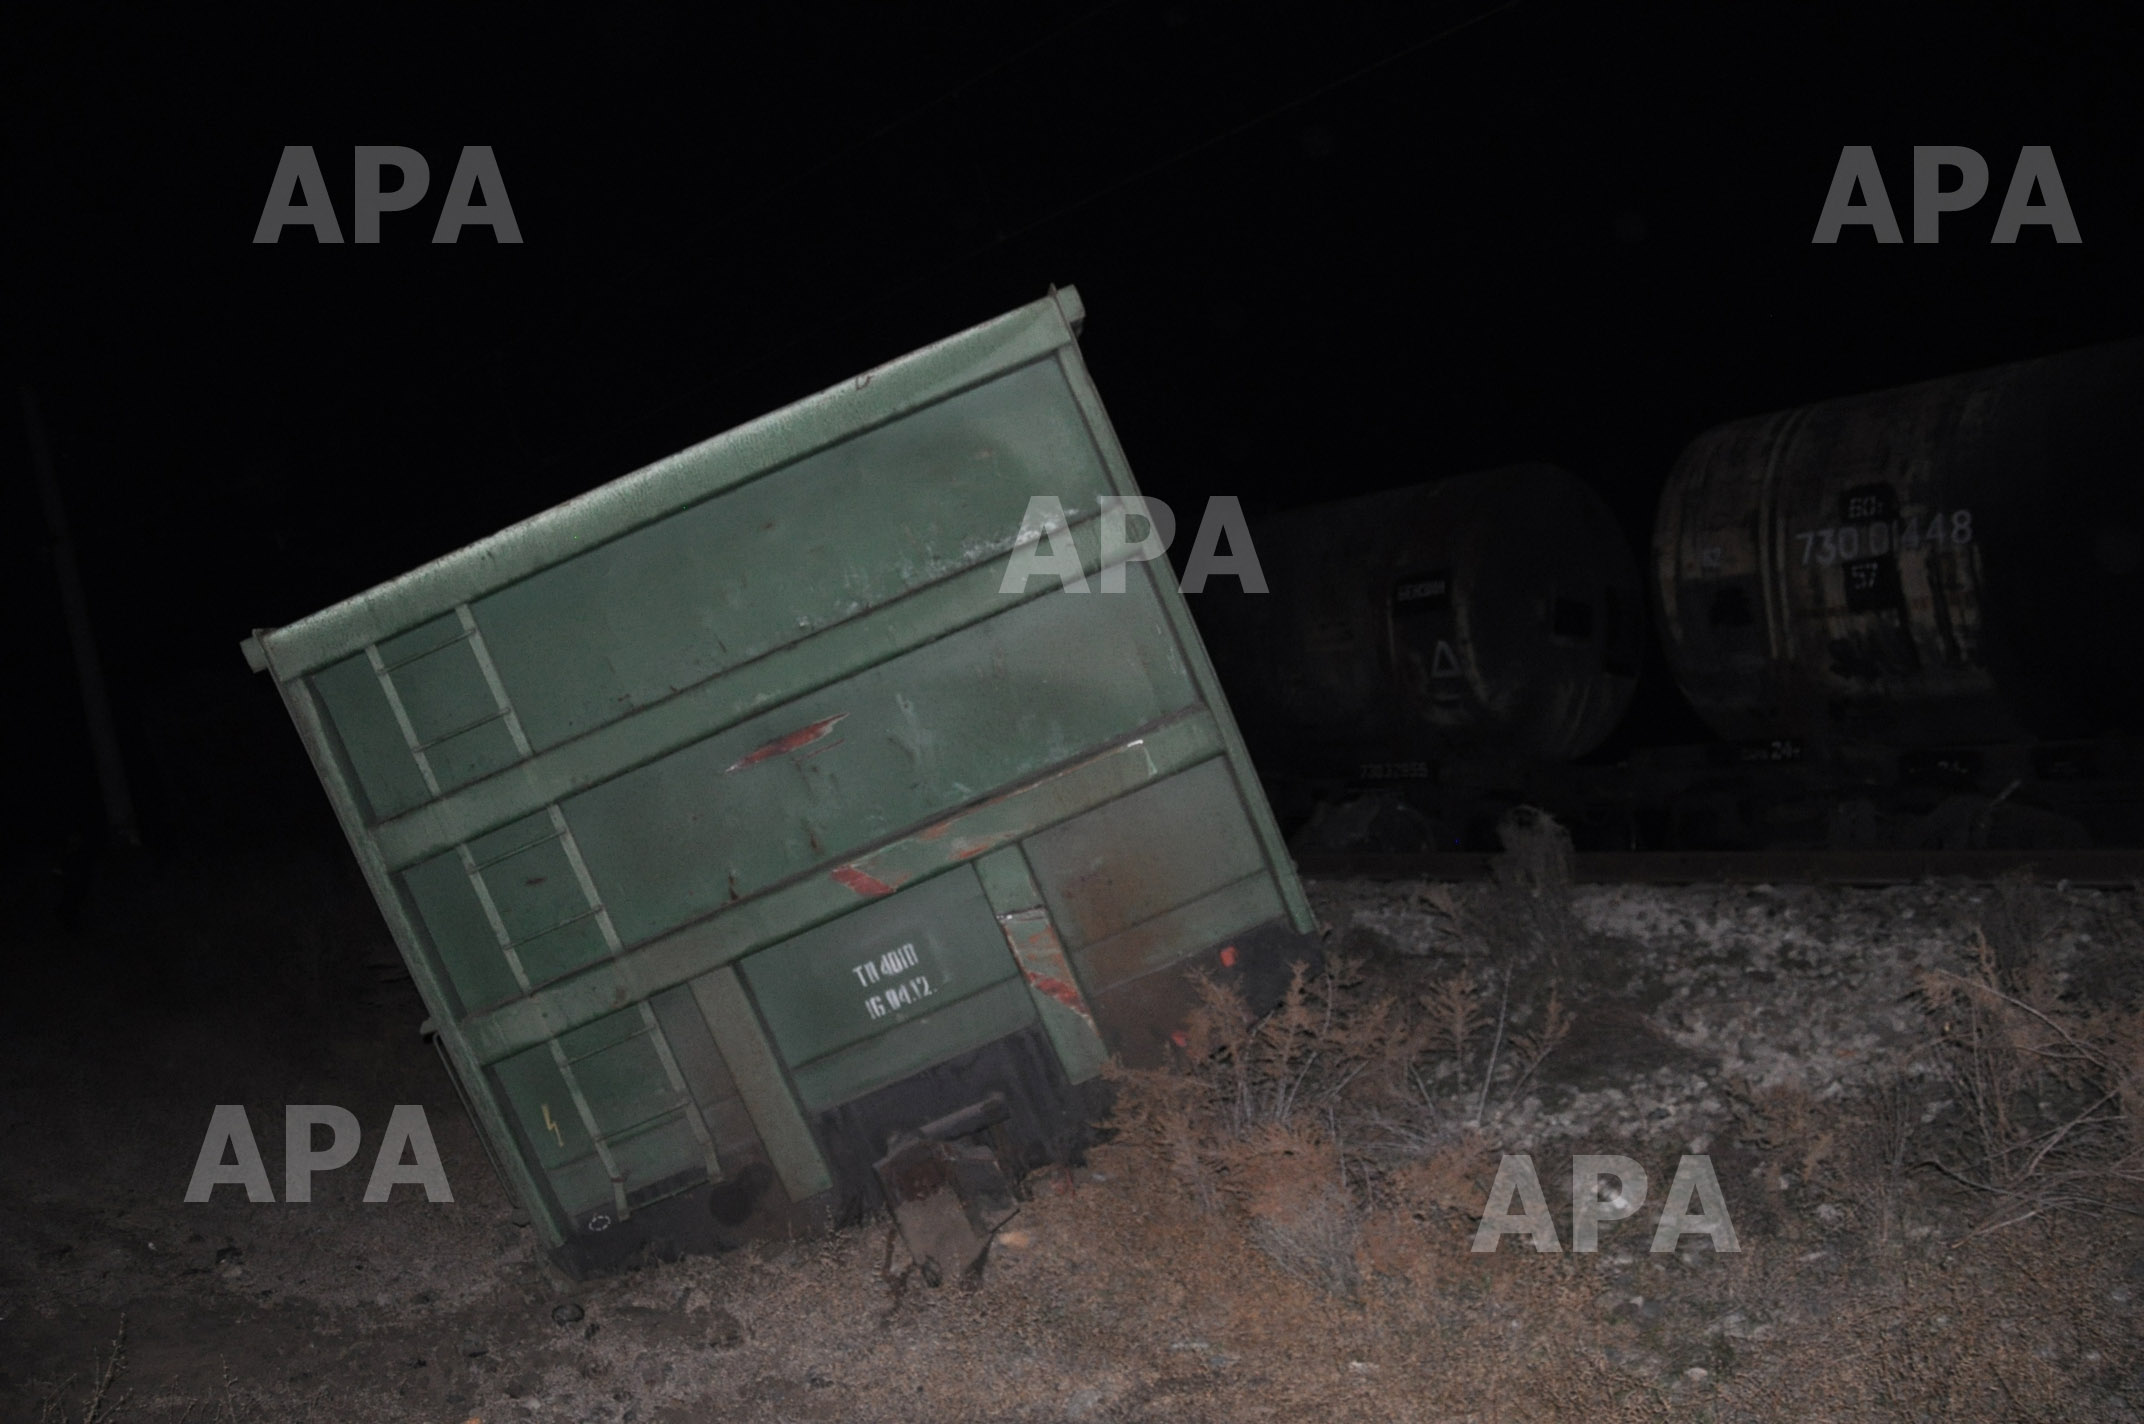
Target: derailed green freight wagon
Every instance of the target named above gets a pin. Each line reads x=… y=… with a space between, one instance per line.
x=735 y=818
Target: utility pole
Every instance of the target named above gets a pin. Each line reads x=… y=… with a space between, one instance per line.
x=119 y=820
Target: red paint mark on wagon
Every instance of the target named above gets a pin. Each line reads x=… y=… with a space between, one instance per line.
x=1062 y=992
x=801 y=737
x=1228 y=957
x=863 y=882
x=1180 y=1039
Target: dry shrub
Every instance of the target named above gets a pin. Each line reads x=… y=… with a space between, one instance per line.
x=1456 y=1018
x=1845 y=1156
x=1274 y=1119
x=2052 y=1089
x=1313 y=1125
x=1802 y=1135
x=1289 y=1180
x=1530 y=1048
x=100 y=1403
x=2018 y=922
x=1524 y=920
x=1455 y=1012
x=1535 y=874
x=1457 y=1021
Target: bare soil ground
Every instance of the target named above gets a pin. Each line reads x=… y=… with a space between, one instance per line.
x=1932 y=1187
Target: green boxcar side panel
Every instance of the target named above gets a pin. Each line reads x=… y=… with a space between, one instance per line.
x=728 y=1011
x=554 y=953
x=843 y=651
x=443 y=692
x=546 y=913
x=909 y=740
x=518 y=835
x=456 y=718
x=896 y=960
x=705 y=1070
x=424 y=638
x=627 y=1090
x=1053 y=984
x=472 y=755
x=607 y=1032
x=581 y=1185
x=889 y=1057
x=535 y=890
x=1008 y=884
x=671 y=604
x=1145 y=853
x=537 y=897
x=1164 y=939
x=363 y=721
x=1053 y=987
x=625 y=1085
x=1259 y=814
x=661 y=1151
x=767 y=919
x=462 y=943
x=543 y=1106
x=337 y=778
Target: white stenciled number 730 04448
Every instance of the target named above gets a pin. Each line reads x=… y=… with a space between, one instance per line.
x=1835 y=542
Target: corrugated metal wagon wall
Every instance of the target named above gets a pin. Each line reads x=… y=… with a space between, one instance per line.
x=732 y=817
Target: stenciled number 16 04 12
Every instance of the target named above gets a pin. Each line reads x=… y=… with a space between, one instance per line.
x=1861 y=541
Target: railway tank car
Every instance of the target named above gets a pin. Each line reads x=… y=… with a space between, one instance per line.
x=1907 y=618
x=1487 y=620
x=1959 y=561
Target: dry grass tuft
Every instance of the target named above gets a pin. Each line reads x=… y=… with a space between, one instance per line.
x=1537 y=1043
x=1316 y=1126
x=1455 y=1016
x=1269 y=1118
x=1534 y=877
x=100 y=1405
x=2052 y=1089
x=1348 y=1121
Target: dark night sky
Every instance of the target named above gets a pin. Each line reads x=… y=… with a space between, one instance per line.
x=1324 y=248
